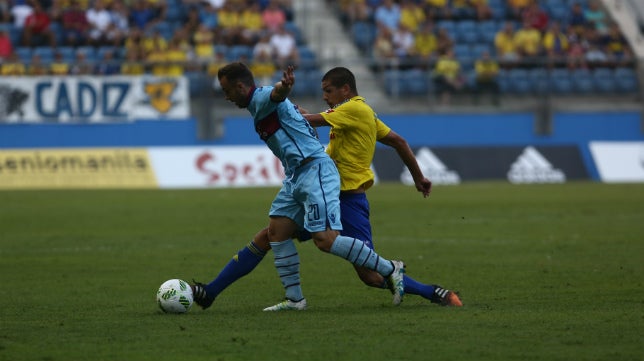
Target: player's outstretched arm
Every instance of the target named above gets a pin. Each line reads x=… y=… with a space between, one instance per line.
x=399 y=143
x=283 y=87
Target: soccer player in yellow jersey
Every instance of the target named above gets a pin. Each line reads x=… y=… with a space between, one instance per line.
x=355 y=128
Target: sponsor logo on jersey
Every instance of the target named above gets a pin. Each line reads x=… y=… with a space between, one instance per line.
x=532 y=167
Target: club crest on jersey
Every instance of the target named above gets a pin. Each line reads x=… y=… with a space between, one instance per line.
x=160 y=94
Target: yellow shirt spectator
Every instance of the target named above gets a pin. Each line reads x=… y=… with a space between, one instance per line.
x=447 y=67
x=504 y=43
x=412 y=16
x=527 y=41
x=57 y=68
x=13 y=69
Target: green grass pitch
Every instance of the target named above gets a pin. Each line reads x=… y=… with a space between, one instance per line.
x=546 y=272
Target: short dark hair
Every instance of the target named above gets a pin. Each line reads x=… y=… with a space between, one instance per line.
x=341 y=76
x=237 y=71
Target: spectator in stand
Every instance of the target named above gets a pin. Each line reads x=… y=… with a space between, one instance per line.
x=251 y=23
x=263 y=47
x=156 y=60
x=444 y=41
x=577 y=46
x=176 y=59
x=285 y=47
x=59 y=66
x=487 y=73
x=154 y=43
x=273 y=16
x=515 y=8
x=616 y=47
x=193 y=21
x=536 y=16
x=383 y=50
x=411 y=15
x=13 y=66
x=74 y=24
x=208 y=17
x=81 y=65
x=596 y=16
x=142 y=15
x=506 y=49
x=19 y=12
x=204 y=46
x=438 y=9
x=387 y=15
x=482 y=9
x=593 y=53
x=100 y=22
x=133 y=64
x=354 y=11
x=425 y=44
x=528 y=44
x=462 y=9
x=36 y=66
x=108 y=65
x=230 y=29
x=120 y=22
x=447 y=77
x=5 y=11
x=263 y=68
x=403 y=41
x=37 y=29
x=159 y=8
x=555 y=44
x=577 y=18
x=6 y=48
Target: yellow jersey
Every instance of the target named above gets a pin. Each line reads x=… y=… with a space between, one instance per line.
x=355 y=128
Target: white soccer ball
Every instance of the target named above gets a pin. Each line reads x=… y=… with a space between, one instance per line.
x=175 y=296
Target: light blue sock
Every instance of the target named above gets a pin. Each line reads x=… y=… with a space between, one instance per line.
x=287 y=262
x=357 y=252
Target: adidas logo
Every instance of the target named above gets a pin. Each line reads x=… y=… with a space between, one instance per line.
x=532 y=167
x=432 y=168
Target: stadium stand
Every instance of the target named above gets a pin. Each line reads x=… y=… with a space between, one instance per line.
x=585 y=26
x=159 y=23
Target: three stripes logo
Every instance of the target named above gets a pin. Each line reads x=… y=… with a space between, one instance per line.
x=532 y=167
x=432 y=168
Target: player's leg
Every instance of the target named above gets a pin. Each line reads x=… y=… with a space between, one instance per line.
x=322 y=219
x=287 y=263
x=240 y=265
x=355 y=223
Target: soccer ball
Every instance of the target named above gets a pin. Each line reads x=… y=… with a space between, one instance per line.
x=174 y=296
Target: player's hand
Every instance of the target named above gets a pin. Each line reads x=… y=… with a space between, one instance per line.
x=288 y=77
x=424 y=186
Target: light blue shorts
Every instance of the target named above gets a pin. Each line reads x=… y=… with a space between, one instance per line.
x=311 y=197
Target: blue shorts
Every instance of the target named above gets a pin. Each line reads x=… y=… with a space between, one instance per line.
x=355 y=218
x=310 y=197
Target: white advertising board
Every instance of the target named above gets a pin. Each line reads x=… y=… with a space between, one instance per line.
x=619 y=161
x=215 y=167
x=92 y=99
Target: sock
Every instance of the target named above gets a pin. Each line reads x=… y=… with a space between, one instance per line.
x=357 y=252
x=287 y=263
x=414 y=287
x=242 y=263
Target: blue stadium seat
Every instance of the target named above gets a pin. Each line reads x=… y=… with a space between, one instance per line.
x=90 y=52
x=487 y=31
x=466 y=31
x=295 y=30
x=46 y=53
x=519 y=82
x=415 y=82
x=363 y=34
x=393 y=82
x=237 y=52
x=307 y=58
x=68 y=53
x=560 y=81
x=604 y=80
x=626 y=80
x=539 y=79
x=582 y=80
x=24 y=53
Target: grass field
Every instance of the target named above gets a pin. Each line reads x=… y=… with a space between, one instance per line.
x=546 y=272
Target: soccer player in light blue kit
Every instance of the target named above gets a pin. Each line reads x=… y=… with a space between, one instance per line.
x=309 y=197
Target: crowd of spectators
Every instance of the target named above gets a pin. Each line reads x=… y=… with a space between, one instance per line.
x=134 y=37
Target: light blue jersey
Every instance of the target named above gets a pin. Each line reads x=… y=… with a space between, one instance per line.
x=310 y=192
x=288 y=135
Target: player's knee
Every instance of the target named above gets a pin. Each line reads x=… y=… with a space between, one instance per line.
x=261 y=240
